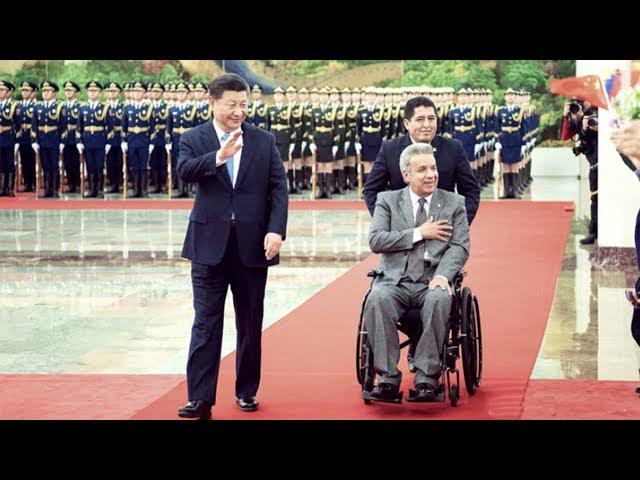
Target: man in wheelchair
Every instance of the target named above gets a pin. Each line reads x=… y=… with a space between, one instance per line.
x=422 y=233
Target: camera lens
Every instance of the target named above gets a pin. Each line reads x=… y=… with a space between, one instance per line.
x=574 y=108
x=592 y=122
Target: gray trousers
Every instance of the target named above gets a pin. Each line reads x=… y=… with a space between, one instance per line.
x=385 y=305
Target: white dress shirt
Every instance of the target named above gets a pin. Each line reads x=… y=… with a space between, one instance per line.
x=417 y=236
x=236 y=158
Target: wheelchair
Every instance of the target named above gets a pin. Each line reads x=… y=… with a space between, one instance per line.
x=463 y=339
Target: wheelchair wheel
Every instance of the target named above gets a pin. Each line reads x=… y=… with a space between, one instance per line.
x=454 y=395
x=361 y=360
x=478 y=342
x=471 y=343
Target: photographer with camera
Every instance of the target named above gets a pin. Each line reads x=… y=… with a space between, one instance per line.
x=580 y=123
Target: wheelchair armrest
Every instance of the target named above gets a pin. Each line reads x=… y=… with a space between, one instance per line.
x=459 y=276
x=457 y=279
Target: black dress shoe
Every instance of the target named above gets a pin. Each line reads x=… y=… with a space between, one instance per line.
x=385 y=391
x=637 y=389
x=425 y=392
x=248 y=404
x=196 y=409
x=588 y=240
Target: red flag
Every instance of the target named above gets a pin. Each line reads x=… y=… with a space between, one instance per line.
x=587 y=88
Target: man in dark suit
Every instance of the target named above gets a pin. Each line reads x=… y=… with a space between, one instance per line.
x=627 y=142
x=420 y=120
x=235 y=232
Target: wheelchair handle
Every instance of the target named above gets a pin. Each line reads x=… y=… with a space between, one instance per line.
x=373 y=273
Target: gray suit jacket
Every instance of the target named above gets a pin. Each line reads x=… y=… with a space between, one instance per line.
x=392 y=227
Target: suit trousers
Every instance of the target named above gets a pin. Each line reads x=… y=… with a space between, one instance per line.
x=385 y=305
x=210 y=286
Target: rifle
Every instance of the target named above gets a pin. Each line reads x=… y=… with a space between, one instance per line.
x=17 y=161
x=38 y=163
x=169 y=174
x=82 y=173
x=124 y=175
x=61 y=172
x=314 y=175
x=360 y=169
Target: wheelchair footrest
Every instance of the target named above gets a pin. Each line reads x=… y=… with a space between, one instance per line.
x=439 y=397
x=368 y=397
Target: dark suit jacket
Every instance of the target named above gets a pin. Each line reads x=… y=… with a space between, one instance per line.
x=453 y=171
x=259 y=199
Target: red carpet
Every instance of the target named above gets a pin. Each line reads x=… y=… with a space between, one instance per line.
x=308 y=356
x=581 y=400
x=27 y=201
x=79 y=397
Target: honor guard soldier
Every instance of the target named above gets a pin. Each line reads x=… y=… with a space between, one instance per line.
x=166 y=94
x=357 y=100
x=315 y=96
x=71 y=158
x=92 y=134
x=356 y=97
x=279 y=122
x=47 y=127
x=389 y=118
x=307 y=155
x=520 y=178
x=257 y=108
x=478 y=112
x=351 y=113
x=171 y=95
x=370 y=125
x=138 y=135
x=25 y=116
x=510 y=132
x=9 y=125
x=339 y=179
x=463 y=125
x=181 y=118
x=114 y=154
x=398 y=112
x=534 y=127
x=444 y=108
x=323 y=139
x=203 y=110
x=490 y=135
x=126 y=90
x=158 y=158
x=297 y=136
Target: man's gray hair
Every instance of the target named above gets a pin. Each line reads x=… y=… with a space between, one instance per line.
x=410 y=151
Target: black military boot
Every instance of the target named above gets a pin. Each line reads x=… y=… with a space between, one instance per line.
x=292 y=186
x=10 y=184
x=135 y=185
x=340 y=182
x=3 y=189
x=518 y=188
x=155 y=180
x=320 y=180
x=507 y=187
x=89 y=192
x=297 y=178
x=55 y=185
x=144 y=184
x=328 y=182
x=100 y=188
